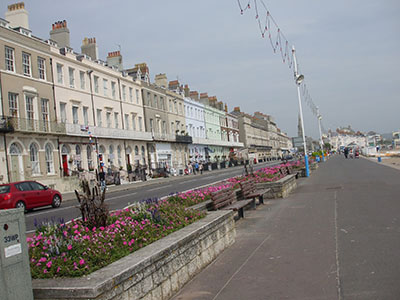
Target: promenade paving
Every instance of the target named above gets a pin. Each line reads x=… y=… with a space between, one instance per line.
x=336 y=237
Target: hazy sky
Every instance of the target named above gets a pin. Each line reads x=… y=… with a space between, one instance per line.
x=348 y=51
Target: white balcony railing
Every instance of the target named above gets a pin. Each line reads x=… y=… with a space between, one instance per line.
x=102 y=132
x=202 y=141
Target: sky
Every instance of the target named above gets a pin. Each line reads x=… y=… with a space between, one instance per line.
x=348 y=51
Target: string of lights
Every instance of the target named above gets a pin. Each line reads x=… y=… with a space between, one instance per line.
x=279 y=43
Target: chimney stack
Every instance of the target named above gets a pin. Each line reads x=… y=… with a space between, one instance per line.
x=89 y=47
x=17 y=15
x=114 y=59
x=237 y=109
x=186 y=90
x=194 y=95
x=161 y=80
x=204 y=98
x=60 y=34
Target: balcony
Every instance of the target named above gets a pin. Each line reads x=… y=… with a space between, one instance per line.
x=164 y=137
x=110 y=133
x=6 y=125
x=202 y=141
x=36 y=126
x=186 y=139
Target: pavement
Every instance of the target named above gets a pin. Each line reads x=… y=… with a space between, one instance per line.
x=336 y=237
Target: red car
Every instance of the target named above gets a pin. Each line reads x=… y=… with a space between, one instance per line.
x=28 y=195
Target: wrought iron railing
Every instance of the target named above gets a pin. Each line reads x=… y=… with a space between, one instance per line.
x=6 y=125
x=36 y=126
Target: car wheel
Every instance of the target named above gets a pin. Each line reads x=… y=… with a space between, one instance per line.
x=21 y=204
x=56 y=201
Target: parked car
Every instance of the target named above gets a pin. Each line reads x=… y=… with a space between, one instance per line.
x=28 y=195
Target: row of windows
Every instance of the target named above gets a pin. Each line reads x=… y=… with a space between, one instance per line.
x=161 y=126
x=112 y=120
x=29 y=106
x=26 y=63
x=34 y=158
x=126 y=91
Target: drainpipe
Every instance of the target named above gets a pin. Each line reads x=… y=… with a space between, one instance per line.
x=4 y=134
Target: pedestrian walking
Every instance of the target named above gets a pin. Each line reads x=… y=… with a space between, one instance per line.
x=102 y=179
x=201 y=168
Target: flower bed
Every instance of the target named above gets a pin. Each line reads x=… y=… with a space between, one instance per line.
x=71 y=250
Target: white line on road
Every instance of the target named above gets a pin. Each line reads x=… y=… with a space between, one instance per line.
x=122 y=196
x=337 y=250
x=161 y=187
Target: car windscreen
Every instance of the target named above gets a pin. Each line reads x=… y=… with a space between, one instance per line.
x=4 y=189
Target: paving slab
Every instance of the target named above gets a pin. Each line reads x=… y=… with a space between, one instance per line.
x=336 y=237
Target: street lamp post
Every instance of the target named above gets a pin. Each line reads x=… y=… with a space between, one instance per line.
x=320 y=134
x=298 y=80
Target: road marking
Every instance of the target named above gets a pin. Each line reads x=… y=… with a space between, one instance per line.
x=338 y=284
x=122 y=196
x=240 y=268
x=46 y=212
x=161 y=187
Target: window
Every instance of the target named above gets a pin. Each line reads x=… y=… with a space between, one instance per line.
x=170 y=105
x=60 y=75
x=9 y=56
x=124 y=92
x=44 y=108
x=63 y=113
x=108 y=119
x=26 y=64
x=99 y=120
x=34 y=158
x=137 y=96
x=151 y=125
x=131 y=94
x=75 y=118
x=180 y=108
x=111 y=155
x=155 y=101
x=82 y=78
x=176 y=107
x=71 y=72
x=85 y=116
x=127 y=122
x=24 y=186
x=143 y=155
x=96 y=84
x=41 y=68
x=78 y=157
x=164 y=127
x=159 y=125
x=13 y=104
x=30 y=113
x=134 y=122
x=113 y=92
x=89 y=156
x=119 y=155
x=105 y=87
x=172 y=127
x=148 y=99
x=49 y=159
x=162 y=103
x=140 y=124
x=116 y=120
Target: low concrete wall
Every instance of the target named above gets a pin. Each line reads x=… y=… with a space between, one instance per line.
x=156 y=271
x=280 y=188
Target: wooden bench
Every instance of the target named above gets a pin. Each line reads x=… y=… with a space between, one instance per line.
x=250 y=191
x=226 y=199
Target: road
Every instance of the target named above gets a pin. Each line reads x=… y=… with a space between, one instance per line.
x=121 y=199
x=337 y=236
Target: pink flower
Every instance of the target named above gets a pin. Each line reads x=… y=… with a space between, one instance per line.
x=82 y=262
x=69 y=247
x=49 y=264
x=58 y=269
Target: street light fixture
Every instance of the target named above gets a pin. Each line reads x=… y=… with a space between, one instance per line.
x=319 y=117
x=298 y=80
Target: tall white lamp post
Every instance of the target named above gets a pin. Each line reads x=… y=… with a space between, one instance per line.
x=321 y=142
x=298 y=80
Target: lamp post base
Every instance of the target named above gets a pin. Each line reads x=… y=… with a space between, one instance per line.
x=306 y=165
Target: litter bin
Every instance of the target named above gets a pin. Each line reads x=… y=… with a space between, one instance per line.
x=379 y=159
